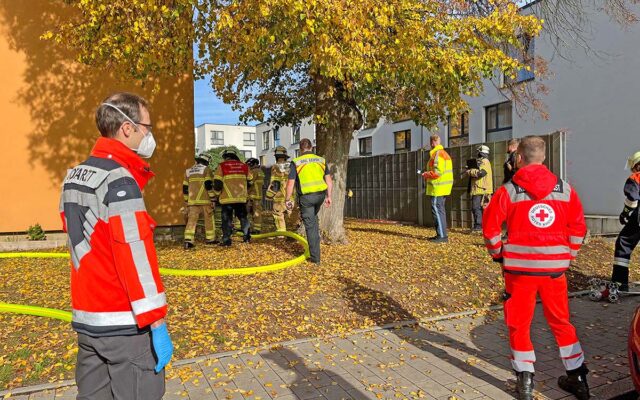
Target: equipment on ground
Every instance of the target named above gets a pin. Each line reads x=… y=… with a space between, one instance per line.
x=602 y=289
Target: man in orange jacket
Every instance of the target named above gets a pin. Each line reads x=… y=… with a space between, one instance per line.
x=546 y=226
x=118 y=300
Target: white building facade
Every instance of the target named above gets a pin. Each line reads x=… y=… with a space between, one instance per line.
x=269 y=136
x=209 y=136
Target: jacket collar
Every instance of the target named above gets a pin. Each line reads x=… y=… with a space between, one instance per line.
x=118 y=152
x=438 y=147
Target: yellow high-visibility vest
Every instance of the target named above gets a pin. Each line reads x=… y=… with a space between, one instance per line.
x=441 y=164
x=310 y=169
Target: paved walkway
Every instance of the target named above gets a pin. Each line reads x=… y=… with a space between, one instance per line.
x=463 y=358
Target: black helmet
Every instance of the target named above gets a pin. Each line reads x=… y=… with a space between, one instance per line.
x=203 y=158
x=253 y=162
x=230 y=154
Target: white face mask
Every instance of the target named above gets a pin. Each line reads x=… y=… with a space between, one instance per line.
x=147 y=145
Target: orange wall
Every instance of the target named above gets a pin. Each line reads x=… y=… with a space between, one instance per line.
x=47 y=105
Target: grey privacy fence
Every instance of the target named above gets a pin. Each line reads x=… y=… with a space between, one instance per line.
x=389 y=187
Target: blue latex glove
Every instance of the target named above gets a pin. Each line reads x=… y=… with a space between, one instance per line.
x=162 y=346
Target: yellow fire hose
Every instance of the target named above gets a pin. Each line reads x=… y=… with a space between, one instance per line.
x=66 y=315
x=37 y=311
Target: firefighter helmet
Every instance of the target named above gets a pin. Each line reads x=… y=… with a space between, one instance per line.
x=253 y=162
x=280 y=151
x=204 y=158
x=230 y=154
x=483 y=149
x=633 y=160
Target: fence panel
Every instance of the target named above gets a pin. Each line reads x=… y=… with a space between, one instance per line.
x=388 y=186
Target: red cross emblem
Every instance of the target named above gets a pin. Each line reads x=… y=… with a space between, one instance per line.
x=542 y=215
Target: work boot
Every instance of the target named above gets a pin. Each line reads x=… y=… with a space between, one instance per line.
x=189 y=245
x=524 y=385
x=576 y=382
x=444 y=239
x=210 y=242
x=225 y=243
x=246 y=238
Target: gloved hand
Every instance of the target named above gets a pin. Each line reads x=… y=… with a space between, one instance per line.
x=289 y=205
x=162 y=346
x=625 y=214
x=498 y=260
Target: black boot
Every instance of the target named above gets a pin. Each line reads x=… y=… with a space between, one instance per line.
x=225 y=243
x=210 y=242
x=188 y=245
x=524 y=385
x=576 y=382
x=620 y=275
x=246 y=238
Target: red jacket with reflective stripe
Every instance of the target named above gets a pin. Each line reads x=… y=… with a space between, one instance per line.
x=545 y=223
x=115 y=284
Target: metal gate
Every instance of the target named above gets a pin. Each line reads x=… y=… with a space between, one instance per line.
x=389 y=187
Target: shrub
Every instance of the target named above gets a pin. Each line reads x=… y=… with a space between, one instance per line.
x=35 y=232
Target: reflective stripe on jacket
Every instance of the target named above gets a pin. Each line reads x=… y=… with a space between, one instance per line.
x=115 y=284
x=311 y=170
x=544 y=234
x=199 y=183
x=235 y=177
x=439 y=174
x=255 y=191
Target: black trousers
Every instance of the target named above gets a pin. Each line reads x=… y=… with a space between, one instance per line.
x=228 y=211
x=476 y=209
x=310 y=205
x=627 y=241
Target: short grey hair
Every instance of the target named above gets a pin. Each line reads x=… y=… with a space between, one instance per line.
x=109 y=120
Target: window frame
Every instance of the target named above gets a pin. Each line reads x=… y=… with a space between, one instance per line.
x=497 y=129
x=462 y=127
x=266 y=143
x=244 y=153
x=362 y=141
x=295 y=129
x=276 y=137
x=249 y=142
x=215 y=141
x=407 y=141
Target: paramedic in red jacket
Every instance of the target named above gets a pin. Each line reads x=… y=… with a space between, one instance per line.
x=117 y=296
x=545 y=226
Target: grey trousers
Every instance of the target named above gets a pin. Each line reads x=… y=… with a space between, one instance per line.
x=476 y=209
x=117 y=368
x=310 y=205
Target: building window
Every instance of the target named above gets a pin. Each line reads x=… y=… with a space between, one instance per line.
x=249 y=138
x=402 y=140
x=295 y=134
x=499 y=122
x=247 y=154
x=263 y=160
x=265 y=140
x=526 y=56
x=458 y=129
x=217 y=138
x=365 y=146
x=276 y=136
x=296 y=153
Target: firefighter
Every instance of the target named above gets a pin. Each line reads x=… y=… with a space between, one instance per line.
x=310 y=177
x=231 y=183
x=254 y=205
x=509 y=167
x=117 y=296
x=199 y=198
x=546 y=227
x=439 y=177
x=480 y=186
x=277 y=188
x=630 y=234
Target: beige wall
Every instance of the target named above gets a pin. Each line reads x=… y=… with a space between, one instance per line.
x=47 y=105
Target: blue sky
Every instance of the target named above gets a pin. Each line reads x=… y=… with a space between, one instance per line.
x=209 y=108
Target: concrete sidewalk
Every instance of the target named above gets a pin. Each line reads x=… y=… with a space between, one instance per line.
x=461 y=358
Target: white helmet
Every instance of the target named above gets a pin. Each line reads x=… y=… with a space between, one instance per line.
x=633 y=160
x=483 y=149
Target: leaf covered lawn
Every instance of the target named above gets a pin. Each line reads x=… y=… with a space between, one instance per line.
x=386 y=273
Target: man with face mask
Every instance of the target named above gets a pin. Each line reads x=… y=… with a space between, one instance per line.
x=277 y=189
x=117 y=296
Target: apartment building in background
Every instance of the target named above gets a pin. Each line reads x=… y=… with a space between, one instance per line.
x=209 y=136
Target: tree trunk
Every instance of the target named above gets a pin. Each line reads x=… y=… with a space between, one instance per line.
x=339 y=118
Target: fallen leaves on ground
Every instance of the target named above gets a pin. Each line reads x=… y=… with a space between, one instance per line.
x=387 y=273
